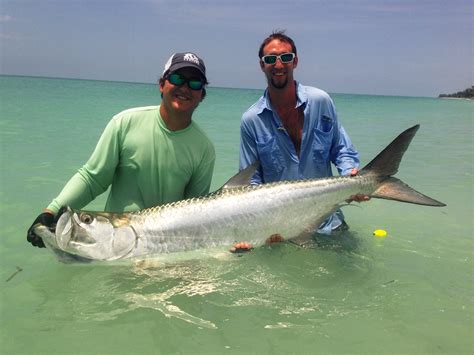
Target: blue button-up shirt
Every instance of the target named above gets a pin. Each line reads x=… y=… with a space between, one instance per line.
x=324 y=141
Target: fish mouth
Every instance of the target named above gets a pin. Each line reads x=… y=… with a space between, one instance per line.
x=64 y=227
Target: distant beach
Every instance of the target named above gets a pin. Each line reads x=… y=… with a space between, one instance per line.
x=467 y=94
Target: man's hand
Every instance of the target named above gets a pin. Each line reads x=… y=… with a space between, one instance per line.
x=47 y=219
x=274 y=238
x=242 y=247
x=354 y=172
x=359 y=197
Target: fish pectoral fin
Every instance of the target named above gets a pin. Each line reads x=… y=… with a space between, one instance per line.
x=395 y=189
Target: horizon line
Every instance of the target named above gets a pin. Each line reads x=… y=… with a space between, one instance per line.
x=212 y=87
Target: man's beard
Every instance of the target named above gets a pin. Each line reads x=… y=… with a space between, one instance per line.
x=279 y=85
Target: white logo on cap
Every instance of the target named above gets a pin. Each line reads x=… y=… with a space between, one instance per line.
x=168 y=63
x=190 y=57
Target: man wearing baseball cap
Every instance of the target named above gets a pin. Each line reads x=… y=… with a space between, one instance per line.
x=149 y=156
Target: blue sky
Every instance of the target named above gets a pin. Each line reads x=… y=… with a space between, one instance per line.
x=413 y=48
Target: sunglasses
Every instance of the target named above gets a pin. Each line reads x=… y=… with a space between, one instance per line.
x=284 y=58
x=178 y=80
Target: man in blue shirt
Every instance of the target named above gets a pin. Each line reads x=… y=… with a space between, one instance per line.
x=293 y=130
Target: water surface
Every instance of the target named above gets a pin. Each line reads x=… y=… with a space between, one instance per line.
x=410 y=293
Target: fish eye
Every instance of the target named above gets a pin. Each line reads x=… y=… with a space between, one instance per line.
x=86 y=218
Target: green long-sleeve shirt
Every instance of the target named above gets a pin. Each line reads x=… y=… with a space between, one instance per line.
x=145 y=163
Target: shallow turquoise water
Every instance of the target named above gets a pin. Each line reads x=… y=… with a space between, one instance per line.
x=411 y=292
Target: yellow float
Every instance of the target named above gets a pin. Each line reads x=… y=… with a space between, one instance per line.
x=380 y=233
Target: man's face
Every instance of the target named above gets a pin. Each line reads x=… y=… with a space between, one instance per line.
x=181 y=97
x=279 y=74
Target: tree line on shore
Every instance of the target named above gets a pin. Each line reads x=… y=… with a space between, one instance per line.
x=465 y=94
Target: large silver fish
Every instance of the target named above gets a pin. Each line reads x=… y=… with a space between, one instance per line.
x=234 y=213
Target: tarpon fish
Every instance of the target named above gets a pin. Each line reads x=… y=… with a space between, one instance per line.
x=236 y=212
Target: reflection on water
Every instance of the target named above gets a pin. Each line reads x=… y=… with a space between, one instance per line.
x=208 y=292
x=344 y=241
x=340 y=280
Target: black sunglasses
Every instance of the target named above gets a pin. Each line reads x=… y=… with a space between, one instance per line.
x=272 y=58
x=178 y=80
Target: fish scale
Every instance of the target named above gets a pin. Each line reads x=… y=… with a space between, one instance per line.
x=234 y=213
x=251 y=214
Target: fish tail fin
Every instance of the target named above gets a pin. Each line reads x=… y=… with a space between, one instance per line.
x=395 y=189
x=387 y=161
x=386 y=164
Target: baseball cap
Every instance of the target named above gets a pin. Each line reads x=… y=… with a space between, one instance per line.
x=184 y=60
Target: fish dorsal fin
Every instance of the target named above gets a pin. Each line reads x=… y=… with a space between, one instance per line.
x=242 y=178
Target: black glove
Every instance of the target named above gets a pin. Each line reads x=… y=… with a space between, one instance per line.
x=46 y=219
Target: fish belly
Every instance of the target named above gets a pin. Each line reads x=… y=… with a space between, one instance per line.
x=250 y=215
